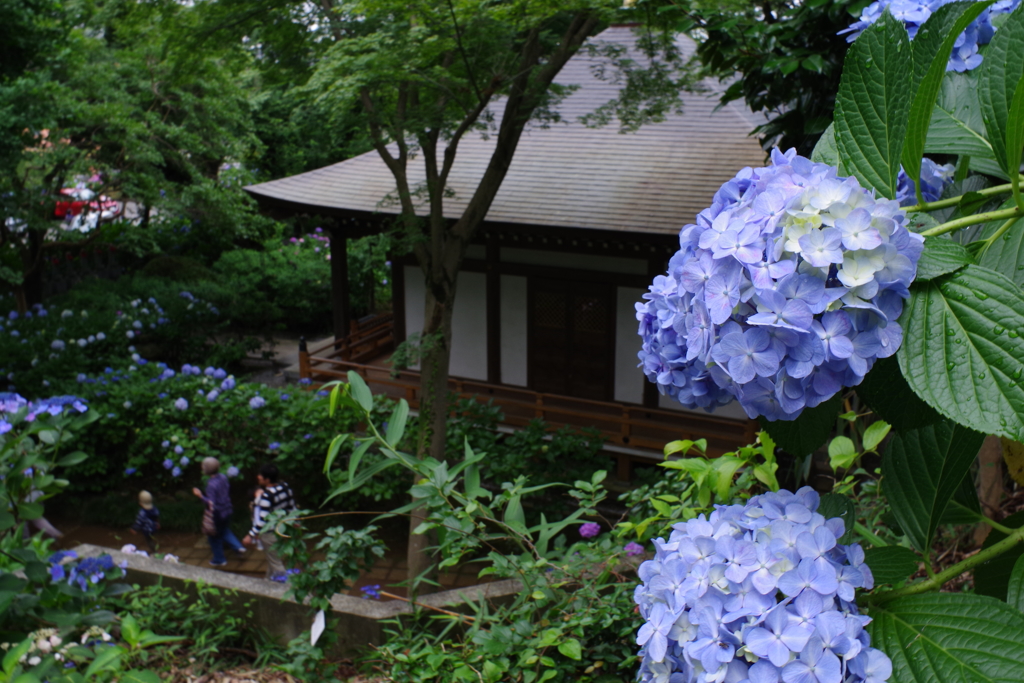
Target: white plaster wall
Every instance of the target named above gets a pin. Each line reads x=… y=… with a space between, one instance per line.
x=558 y=259
x=414 y=291
x=469 y=321
x=629 y=380
x=513 y=330
x=469 y=327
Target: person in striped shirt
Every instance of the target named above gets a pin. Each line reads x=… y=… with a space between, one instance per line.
x=277 y=495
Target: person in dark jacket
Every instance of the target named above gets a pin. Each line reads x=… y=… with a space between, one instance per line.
x=147 y=522
x=218 y=495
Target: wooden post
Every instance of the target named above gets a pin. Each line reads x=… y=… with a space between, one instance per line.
x=625 y=425
x=623 y=469
x=304 y=370
x=493 y=311
x=339 y=283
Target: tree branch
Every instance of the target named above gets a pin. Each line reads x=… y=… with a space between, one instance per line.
x=462 y=51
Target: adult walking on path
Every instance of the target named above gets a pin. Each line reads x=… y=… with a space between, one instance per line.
x=218 y=496
x=277 y=495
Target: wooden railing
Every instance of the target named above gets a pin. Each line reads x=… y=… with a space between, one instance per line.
x=636 y=427
x=367 y=339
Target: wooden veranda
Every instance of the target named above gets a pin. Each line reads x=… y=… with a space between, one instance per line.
x=638 y=433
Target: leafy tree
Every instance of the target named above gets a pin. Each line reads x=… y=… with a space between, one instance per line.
x=424 y=75
x=113 y=96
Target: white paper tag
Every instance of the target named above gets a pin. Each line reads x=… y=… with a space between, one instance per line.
x=318 y=628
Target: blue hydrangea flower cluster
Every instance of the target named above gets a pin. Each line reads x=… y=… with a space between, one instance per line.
x=11 y=403
x=757 y=593
x=51 y=343
x=913 y=13
x=934 y=179
x=65 y=566
x=785 y=290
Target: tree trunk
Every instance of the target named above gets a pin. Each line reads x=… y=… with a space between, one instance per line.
x=435 y=357
x=990 y=483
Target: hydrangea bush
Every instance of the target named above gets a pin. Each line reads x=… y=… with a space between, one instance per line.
x=787 y=288
x=193 y=412
x=760 y=592
x=810 y=277
x=43 y=348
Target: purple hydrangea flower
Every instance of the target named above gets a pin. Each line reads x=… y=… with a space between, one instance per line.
x=590 y=529
x=178 y=450
x=168 y=464
x=232 y=471
x=633 y=549
x=759 y=579
x=212 y=396
x=914 y=13
x=130 y=471
x=183 y=461
x=176 y=472
x=721 y=325
x=181 y=404
x=274 y=446
x=228 y=384
x=257 y=402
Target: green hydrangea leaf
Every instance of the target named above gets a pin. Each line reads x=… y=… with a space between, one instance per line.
x=873 y=104
x=806 y=433
x=931 y=48
x=1015 y=588
x=949 y=638
x=890 y=397
x=892 y=564
x=922 y=470
x=941 y=256
x=957 y=126
x=1001 y=91
x=837 y=505
x=1006 y=255
x=826 y=151
x=963 y=352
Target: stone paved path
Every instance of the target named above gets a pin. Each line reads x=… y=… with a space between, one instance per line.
x=387 y=572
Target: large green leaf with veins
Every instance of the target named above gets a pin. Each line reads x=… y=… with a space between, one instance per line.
x=1001 y=91
x=950 y=638
x=963 y=349
x=956 y=125
x=873 y=104
x=931 y=48
x=922 y=469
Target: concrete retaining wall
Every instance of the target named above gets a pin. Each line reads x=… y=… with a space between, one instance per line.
x=359 y=620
